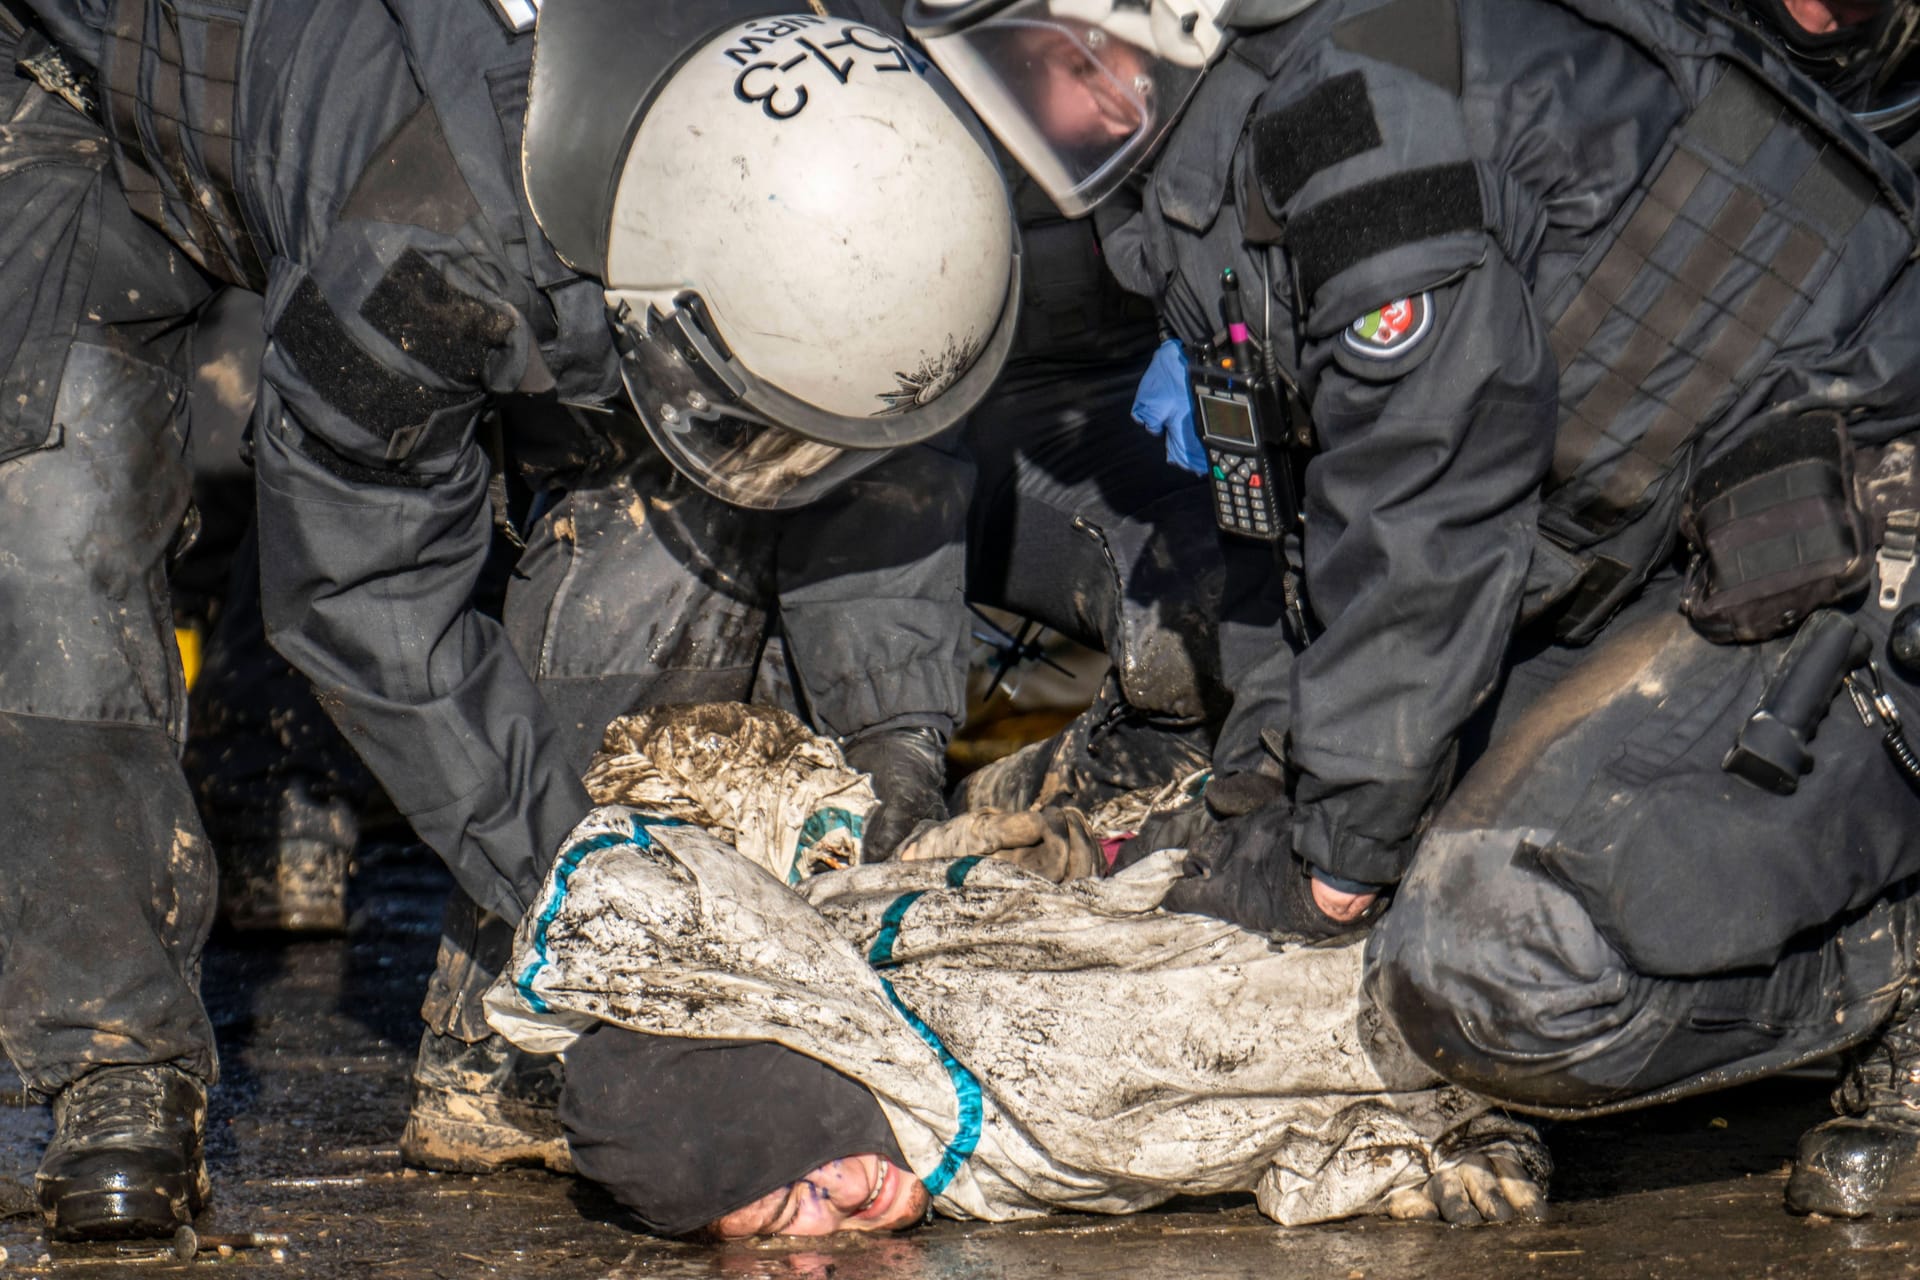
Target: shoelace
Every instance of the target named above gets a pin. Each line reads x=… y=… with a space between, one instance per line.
x=116 y=1101
x=1883 y=1076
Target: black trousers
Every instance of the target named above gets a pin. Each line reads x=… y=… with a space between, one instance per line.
x=1078 y=521
x=1601 y=915
x=106 y=883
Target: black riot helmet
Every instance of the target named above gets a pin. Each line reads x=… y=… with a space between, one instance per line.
x=808 y=253
x=1864 y=56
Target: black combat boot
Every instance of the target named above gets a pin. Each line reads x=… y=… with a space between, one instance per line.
x=126 y=1157
x=1866 y=1162
x=482 y=1107
x=284 y=863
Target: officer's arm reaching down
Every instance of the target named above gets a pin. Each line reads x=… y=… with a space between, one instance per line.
x=1420 y=525
x=374 y=522
x=1420 y=511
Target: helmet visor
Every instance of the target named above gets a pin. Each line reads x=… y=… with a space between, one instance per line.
x=1078 y=104
x=755 y=464
x=1855 y=48
x=694 y=414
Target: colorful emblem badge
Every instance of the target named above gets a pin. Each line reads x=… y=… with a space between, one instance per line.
x=1392 y=330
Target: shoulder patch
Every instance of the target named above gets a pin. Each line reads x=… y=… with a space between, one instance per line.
x=1392 y=330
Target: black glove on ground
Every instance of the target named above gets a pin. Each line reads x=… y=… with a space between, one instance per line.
x=909 y=771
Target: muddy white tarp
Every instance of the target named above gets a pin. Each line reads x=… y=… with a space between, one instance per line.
x=754 y=776
x=1035 y=1046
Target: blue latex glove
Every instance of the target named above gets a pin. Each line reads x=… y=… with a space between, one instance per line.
x=1163 y=405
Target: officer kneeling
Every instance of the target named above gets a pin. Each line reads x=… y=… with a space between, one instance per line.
x=721 y=271
x=1555 y=283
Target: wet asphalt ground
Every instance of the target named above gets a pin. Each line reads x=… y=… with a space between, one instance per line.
x=317 y=1038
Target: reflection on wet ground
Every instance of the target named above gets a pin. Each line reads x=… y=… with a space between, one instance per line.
x=317 y=1039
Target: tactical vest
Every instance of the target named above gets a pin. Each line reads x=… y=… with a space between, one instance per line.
x=1673 y=312
x=1706 y=268
x=169 y=78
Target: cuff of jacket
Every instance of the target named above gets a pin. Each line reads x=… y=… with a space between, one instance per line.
x=1360 y=831
x=906 y=668
x=1348 y=855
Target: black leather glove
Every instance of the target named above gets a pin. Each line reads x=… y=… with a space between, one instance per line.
x=909 y=771
x=1242 y=870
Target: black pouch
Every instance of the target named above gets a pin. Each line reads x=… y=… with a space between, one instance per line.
x=1775 y=530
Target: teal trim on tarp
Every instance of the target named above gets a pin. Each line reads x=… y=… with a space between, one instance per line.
x=966 y=1086
x=564 y=867
x=820 y=824
x=957 y=873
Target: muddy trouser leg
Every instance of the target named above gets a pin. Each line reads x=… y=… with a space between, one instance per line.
x=869 y=586
x=1079 y=522
x=639 y=592
x=1601 y=916
x=106 y=886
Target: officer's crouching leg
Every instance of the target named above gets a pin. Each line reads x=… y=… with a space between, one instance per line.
x=1077 y=523
x=1495 y=976
x=478 y=1103
x=697 y=571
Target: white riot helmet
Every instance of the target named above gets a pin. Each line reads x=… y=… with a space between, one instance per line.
x=809 y=256
x=1081 y=91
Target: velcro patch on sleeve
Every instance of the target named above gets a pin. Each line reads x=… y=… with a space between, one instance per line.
x=448 y=331
x=374 y=397
x=1398 y=209
x=1391 y=331
x=1333 y=122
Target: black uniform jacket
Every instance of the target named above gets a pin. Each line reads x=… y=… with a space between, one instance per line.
x=359 y=162
x=1532 y=262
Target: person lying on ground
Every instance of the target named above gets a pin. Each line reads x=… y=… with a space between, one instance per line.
x=753 y=1050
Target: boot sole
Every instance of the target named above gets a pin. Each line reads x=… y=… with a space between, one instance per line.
x=156 y=1209
x=1856 y=1168
x=1818 y=1195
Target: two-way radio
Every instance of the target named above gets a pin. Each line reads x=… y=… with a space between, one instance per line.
x=1243 y=423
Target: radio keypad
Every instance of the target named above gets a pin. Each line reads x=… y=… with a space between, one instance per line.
x=1241 y=502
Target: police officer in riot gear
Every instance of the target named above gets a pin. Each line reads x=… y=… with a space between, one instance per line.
x=1572 y=293
x=645 y=239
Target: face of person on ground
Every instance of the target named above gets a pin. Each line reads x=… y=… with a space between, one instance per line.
x=1824 y=17
x=857 y=1193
